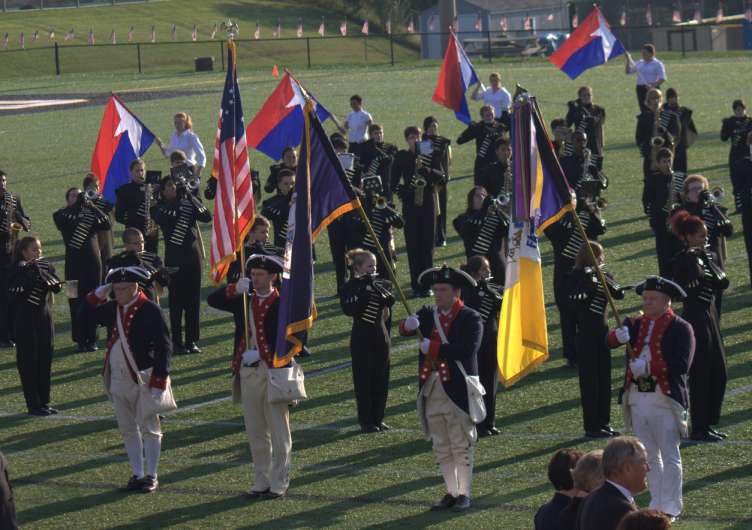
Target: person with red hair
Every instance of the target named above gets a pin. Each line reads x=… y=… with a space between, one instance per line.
x=697 y=272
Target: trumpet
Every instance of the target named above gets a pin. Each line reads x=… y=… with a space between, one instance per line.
x=718 y=194
x=15 y=229
x=380 y=202
x=597 y=204
x=419 y=184
x=92 y=193
x=499 y=203
x=150 y=225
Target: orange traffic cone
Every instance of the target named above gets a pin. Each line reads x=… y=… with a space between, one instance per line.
x=275 y=71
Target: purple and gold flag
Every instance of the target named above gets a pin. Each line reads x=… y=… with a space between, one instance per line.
x=322 y=193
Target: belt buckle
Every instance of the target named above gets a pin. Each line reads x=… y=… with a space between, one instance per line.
x=645 y=384
x=252 y=365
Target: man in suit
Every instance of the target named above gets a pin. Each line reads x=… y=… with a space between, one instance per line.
x=625 y=467
x=451 y=336
x=560 y=470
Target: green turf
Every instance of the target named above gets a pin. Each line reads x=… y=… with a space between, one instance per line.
x=66 y=469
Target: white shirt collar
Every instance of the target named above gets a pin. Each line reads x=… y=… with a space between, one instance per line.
x=129 y=304
x=624 y=491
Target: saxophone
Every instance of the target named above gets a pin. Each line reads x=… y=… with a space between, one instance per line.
x=14 y=227
x=149 y=224
x=418 y=183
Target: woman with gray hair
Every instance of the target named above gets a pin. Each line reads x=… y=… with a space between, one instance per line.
x=587 y=476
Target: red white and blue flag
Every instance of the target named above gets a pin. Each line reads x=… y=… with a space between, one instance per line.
x=456 y=76
x=234 y=205
x=279 y=123
x=122 y=138
x=591 y=44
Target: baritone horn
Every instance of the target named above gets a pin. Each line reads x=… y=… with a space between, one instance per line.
x=419 y=185
x=15 y=229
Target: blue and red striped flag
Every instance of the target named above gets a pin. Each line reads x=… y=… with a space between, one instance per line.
x=456 y=76
x=234 y=205
x=322 y=193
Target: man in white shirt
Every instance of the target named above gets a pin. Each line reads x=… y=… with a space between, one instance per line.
x=356 y=125
x=185 y=140
x=650 y=72
x=496 y=95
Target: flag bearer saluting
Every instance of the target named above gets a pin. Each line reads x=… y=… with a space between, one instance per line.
x=452 y=335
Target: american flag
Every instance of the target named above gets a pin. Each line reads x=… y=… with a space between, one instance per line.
x=174 y=32
x=4 y=42
x=649 y=15
x=623 y=18
x=113 y=38
x=213 y=32
x=51 y=35
x=575 y=20
x=343 y=28
x=299 y=33
x=322 y=28
x=388 y=26
x=411 y=26
x=698 y=16
x=277 y=30
x=22 y=40
x=503 y=25
x=432 y=23
x=676 y=16
x=70 y=35
x=130 y=34
x=234 y=205
x=153 y=34
x=719 y=14
x=748 y=14
x=478 y=23
x=527 y=24
x=550 y=17
x=455 y=24
x=35 y=35
x=364 y=29
x=91 y=39
x=194 y=33
x=257 y=33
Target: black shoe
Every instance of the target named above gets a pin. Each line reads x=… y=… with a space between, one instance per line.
x=149 y=484
x=7 y=344
x=494 y=431
x=610 y=431
x=270 y=495
x=81 y=348
x=719 y=434
x=483 y=432
x=600 y=433
x=705 y=436
x=192 y=347
x=446 y=502
x=441 y=243
x=49 y=409
x=571 y=364
x=178 y=349
x=254 y=495
x=461 y=504
x=134 y=484
x=383 y=426
x=39 y=412
x=367 y=429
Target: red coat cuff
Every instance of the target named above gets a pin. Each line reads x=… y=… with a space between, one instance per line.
x=433 y=349
x=93 y=300
x=612 y=341
x=158 y=382
x=231 y=291
x=404 y=332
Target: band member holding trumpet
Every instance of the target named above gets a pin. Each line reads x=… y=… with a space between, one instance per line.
x=79 y=223
x=485 y=133
x=580 y=164
x=588 y=118
x=657 y=198
x=441 y=150
x=736 y=129
x=376 y=157
x=416 y=173
x=687 y=130
x=31 y=284
x=177 y=214
x=12 y=221
x=367 y=297
x=696 y=272
x=448 y=354
x=590 y=305
x=104 y=237
x=133 y=202
x=657 y=129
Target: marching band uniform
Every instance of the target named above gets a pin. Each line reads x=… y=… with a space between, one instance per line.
x=566 y=241
x=267 y=424
x=277 y=210
x=589 y=304
x=147 y=340
x=745 y=193
x=686 y=127
x=383 y=218
x=588 y=119
x=211 y=187
x=79 y=224
x=153 y=263
x=485 y=136
x=342 y=234
x=486 y=298
x=30 y=286
x=657 y=195
x=696 y=272
x=443 y=402
x=368 y=299
x=420 y=219
x=484 y=233
x=496 y=178
x=376 y=159
x=669 y=129
x=580 y=166
x=440 y=150
x=655 y=401
x=130 y=210
x=270 y=186
x=7 y=502
x=735 y=130
x=177 y=220
x=11 y=211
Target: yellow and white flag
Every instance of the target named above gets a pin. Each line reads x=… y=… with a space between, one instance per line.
x=523 y=338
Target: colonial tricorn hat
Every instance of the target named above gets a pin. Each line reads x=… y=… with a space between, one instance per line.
x=445 y=274
x=662 y=285
x=269 y=261
x=128 y=267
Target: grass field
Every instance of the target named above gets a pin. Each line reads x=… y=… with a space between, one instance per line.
x=67 y=468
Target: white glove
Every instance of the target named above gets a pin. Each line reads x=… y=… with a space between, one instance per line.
x=424 y=344
x=251 y=356
x=156 y=393
x=639 y=367
x=622 y=334
x=103 y=291
x=243 y=285
x=412 y=322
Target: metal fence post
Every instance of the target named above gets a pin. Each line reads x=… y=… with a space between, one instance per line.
x=391 y=49
x=683 y=45
x=5 y=5
x=57 y=59
x=488 y=36
x=41 y=4
x=138 y=54
x=365 y=49
x=222 y=55
x=308 y=50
